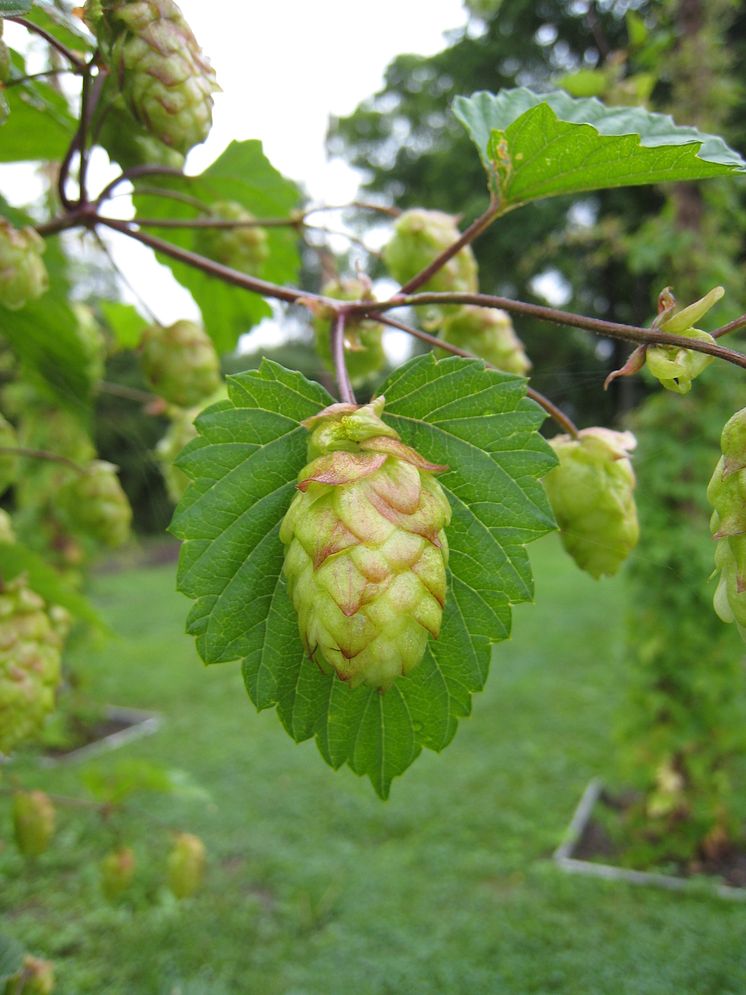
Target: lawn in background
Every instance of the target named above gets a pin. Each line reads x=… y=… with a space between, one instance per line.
x=315 y=887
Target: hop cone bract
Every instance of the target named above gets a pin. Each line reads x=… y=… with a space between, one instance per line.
x=366 y=550
x=23 y=276
x=489 y=334
x=165 y=79
x=244 y=249
x=727 y=494
x=96 y=505
x=33 y=821
x=29 y=663
x=186 y=865
x=591 y=492
x=364 y=353
x=180 y=363
x=674 y=366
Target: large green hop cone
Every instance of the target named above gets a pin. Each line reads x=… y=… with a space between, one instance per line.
x=166 y=81
x=96 y=505
x=29 y=663
x=23 y=276
x=591 y=492
x=366 y=550
x=364 y=353
x=726 y=492
x=180 y=363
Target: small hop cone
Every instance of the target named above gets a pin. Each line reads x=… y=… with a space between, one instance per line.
x=186 y=865
x=365 y=548
x=726 y=492
x=29 y=664
x=33 y=822
x=97 y=506
x=489 y=334
x=36 y=977
x=117 y=872
x=180 y=363
x=179 y=433
x=244 y=249
x=420 y=236
x=364 y=353
x=23 y=276
x=164 y=78
x=674 y=367
x=591 y=493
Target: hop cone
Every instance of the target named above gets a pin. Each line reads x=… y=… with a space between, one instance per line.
x=727 y=494
x=591 y=496
x=179 y=433
x=117 y=871
x=366 y=550
x=36 y=977
x=244 y=249
x=180 y=363
x=419 y=236
x=96 y=505
x=489 y=334
x=126 y=140
x=29 y=664
x=674 y=366
x=164 y=78
x=23 y=276
x=364 y=353
x=8 y=462
x=33 y=821
x=186 y=865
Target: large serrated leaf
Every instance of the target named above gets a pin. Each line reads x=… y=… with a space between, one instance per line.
x=243 y=174
x=541 y=145
x=39 y=124
x=244 y=466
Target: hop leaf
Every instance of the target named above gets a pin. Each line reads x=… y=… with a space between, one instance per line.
x=366 y=551
x=364 y=353
x=33 y=821
x=244 y=249
x=96 y=505
x=29 y=663
x=674 y=366
x=489 y=334
x=591 y=495
x=180 y=363
x=23 y=276
x=186 y=865
x=117 y=872
x=164 y=78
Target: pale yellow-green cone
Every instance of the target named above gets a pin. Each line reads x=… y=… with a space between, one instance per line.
x=186 y=865
x=165 y=80
x=33 y=822
x=244 y=249
x=489 y=334
x=180 y=363
x=419 y=236
x=23 y=276
x=591 y=493
x=726 y=492
x=36 y=977
x=364 y=353
x=117 y=872
x=673 y=366
x=365 y=548
x=96 y=505
x=29 y=663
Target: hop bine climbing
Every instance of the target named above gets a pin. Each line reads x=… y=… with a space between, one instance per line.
x=365 y=548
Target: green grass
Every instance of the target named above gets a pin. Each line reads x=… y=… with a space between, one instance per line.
x=315 y=887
